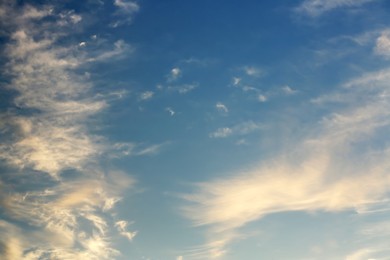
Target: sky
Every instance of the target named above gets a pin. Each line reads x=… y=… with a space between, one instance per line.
x=184 y=130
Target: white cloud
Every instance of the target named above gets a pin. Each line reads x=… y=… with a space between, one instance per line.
x=247 y=88
x=119 y=50
x=174 y=74
x=170 y=111
x=253 y=71
x=236 y=81
x=136 y=149
x=334 y=168
x=126 y=11
x=154 y=149
x=146 y=95
x=239 y=129
x=222 y=132
x=242 y=142
x=221 y=107
x=63 y=196
x=183 y=89
x=262 y=98
x=127 y=6
x=318 y=7
x=383 y=44
x=288 y=90
x=122 y=228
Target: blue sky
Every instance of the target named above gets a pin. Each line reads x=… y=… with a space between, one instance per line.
x=195 y=130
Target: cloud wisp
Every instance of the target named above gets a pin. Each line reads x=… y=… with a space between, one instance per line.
x=335 y=168
x=318 y=7
x=382 y=47
x=57 y=201
x=126 y=9
x=243 y=128
x=221 y=107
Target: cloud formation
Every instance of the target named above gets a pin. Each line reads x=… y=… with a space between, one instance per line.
x=221 y=107
x=174 y=74
x=146 y=95
x=334 y=168
x=126 y=10
x=253 y=71
x=57 y=202
x=382 y=46
x=183 y=89
x=318 y=7
x=134 y=149
x=243 y=128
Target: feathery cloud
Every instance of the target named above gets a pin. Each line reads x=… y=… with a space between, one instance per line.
x=236 y=81
x=221 y=107
x=253 y=71
x=318 y=7
x=59 y=204
x=183 y=89
x=262 y=98
x=288 y=90
x=333 y=169
x=127 y=6
x=170 y=111
x=146 y=95
x=239 y=129
x=126 y=10
x=174 y=74
x=383 y=44
x=222 y=132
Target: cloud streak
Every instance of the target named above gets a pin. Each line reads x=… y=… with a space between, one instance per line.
x=239 y=129
x=334 y=168
x=318 y=7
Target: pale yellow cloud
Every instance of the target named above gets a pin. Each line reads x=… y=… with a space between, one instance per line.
x=334 y=168
x=60 y=203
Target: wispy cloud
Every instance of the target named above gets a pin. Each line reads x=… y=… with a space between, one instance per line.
x=221 y=107
x=57 y=200
x=222 y=132
x=288 y=90
x=122 y=228
x=174 y=74
x=253 y=71
x=262 y=98
x=56 y=212
x=383 y=44
x=146 y=95
x=170 y=111
x=318 y=7
x=127 y=6
x=119 y=50
x=239 y=129
x=183 y=89
x=360 y=255
x=236 y=81
x=334 y=168
x=134 y=149
x=126 y=11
